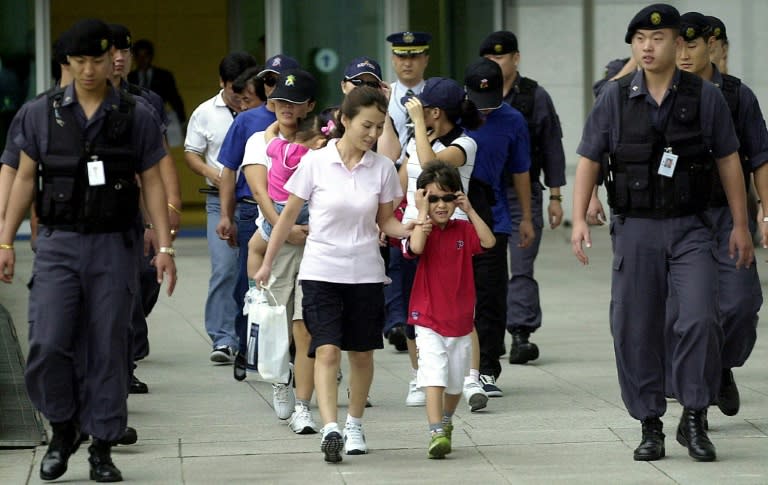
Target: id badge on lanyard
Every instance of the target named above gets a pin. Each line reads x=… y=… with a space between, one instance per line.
x=667 y=163
x=96 y=172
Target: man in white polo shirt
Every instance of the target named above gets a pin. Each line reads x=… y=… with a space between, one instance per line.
x=205 y=133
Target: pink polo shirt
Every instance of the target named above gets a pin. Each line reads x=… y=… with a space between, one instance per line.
x=343 y=241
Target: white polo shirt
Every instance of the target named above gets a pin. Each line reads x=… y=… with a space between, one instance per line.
x=206 y=130
x=343 y=241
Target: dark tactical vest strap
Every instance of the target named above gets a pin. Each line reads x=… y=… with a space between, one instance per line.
x=525 y=101
x=731 y=89
x=634 y=186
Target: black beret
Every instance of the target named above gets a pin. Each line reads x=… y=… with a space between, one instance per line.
x=60 y=48
x=718 y=28
x=90 y=37
x=121 y=36
x=653 y=17
x=501 y=42
x=694 y=25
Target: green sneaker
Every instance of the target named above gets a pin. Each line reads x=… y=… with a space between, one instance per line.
x=439 y=446
x=448 y=430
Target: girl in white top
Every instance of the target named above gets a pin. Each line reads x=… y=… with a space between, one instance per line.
x=440 y=113
x=350 y=191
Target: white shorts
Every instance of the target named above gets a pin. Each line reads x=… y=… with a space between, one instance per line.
x=443 y=361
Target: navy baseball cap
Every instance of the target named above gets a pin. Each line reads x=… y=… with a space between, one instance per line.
x=408 y=43
x=501 y=42
x=440 y=92
x=362 y=65
x=653 y=17
x=121 y=36
x=484 y=84
x=295 y=86
x=89 y=37
x=718 y=28
x=278 y=64
x=694 y=25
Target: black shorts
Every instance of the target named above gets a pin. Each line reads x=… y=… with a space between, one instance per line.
x=349 y=316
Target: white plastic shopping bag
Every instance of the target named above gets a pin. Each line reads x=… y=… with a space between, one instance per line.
x=268 y=325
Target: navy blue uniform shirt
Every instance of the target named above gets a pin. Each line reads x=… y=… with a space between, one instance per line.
x=750 y=124
x=146 y=137
x=502 y=146
x=549 y=134
x=601 y=130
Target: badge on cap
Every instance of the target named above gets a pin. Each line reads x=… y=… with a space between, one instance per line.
x=128 y=39
x=498 y=48
x=483 y=83
x=717 y=31
x=104 y=44
x=655 y=18
x=276 y=62
x=290 y=80
x=690 y=32
x=408 y=37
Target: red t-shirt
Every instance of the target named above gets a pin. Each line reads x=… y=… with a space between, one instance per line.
x=443 y=294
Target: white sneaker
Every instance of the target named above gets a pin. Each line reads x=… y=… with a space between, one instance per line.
x=331 y=444
x=476 y=397
x=354 y=439
x=416 y=395
x=283 y=398
x=301 y=421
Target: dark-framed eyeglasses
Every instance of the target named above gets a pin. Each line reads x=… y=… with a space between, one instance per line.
x=360 y=82
x=447 y=198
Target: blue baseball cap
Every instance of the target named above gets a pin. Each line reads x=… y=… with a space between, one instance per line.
x=441 y=92
x=278 y=64
x=362 y=65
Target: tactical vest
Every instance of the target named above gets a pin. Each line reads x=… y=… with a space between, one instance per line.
x=731 y=89
x=635 y=188
x=524 y=102
x=65 y=200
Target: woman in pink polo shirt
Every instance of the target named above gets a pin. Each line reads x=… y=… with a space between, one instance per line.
x=350 y=190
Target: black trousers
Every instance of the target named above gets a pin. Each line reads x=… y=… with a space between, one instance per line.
x=491 y=305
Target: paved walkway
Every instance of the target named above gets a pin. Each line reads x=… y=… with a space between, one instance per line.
x=561 y=419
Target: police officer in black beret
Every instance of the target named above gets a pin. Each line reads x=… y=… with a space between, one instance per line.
x=740 y=294
x=82 y=148
x=666 y=132
x=547 y=158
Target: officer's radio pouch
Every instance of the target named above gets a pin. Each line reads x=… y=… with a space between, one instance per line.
x=632 y=177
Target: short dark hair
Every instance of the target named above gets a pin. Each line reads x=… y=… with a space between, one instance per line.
x=234 y=64
x=440 y=173
x=250 y=76
x=144 y=45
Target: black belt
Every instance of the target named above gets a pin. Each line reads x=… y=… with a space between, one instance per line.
x=211 y=190
x=248 y=200
x=657 y=213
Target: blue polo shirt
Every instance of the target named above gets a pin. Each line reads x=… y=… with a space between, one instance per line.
x=233 y=148
x=503 y=147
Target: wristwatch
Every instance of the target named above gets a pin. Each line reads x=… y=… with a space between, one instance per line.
x=558 y=198
x=168 y=250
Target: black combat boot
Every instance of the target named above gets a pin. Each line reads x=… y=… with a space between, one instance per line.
x=651 y=448
x=64 y=443
x=102 y=468
x=728 y=398
x=522 y=350
x=692 y=434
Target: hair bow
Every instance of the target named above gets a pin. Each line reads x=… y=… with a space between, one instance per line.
x=328 y=128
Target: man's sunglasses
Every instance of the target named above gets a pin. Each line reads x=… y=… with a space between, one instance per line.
x=269 y=80
x=445 y=198
x=360 y=82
